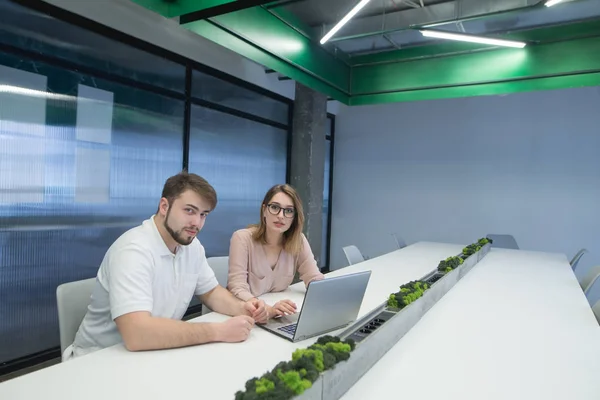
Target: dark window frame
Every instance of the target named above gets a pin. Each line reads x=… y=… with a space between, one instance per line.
x=331 y=138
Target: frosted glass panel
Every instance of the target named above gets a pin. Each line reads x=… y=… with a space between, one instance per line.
x=22 y=124
x=242 y=159
x=94 y=114
x=22 y=101
x=71 y=182
x=92 y=175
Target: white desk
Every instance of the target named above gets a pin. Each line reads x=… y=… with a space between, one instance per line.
x=214 y=371
x=516 y=327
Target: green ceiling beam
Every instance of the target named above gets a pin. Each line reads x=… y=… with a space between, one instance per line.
x=410 y=53
x=312 y=33
x=486 y=89
x=219 y=36
x=262 y=37
x=182 y=7
x=158 y=6
x=567 y=31
x=292 y=20
x=536 y=61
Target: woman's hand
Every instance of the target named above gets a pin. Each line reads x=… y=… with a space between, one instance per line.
x=281 y=308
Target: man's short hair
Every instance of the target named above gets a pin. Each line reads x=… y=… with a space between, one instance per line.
x=177 y=184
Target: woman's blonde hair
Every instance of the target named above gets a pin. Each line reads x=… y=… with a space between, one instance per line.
x=292 y=238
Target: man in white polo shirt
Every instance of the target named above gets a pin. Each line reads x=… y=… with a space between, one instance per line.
x=149 y=275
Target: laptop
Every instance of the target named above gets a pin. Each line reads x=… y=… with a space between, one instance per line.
x=329 y=304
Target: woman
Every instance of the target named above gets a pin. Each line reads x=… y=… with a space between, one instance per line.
x=265 y=257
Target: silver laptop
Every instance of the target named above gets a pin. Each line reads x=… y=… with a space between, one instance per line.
x=329 y=304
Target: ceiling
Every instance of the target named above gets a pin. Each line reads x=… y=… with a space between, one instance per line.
x=381 y=56
x=386 y=25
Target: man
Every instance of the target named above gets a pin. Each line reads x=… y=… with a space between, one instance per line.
x=148 y=276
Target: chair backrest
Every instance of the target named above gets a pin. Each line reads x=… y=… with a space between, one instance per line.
x=353 y=255
x=220 y=266
x=596 y=310
x=588 y=281
x=72 y=300
x=577 y=257
x=399 y=241
x=503 y=241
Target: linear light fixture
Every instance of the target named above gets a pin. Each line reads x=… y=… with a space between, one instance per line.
x=470 y=38
x=550 y=3
x=344 y=20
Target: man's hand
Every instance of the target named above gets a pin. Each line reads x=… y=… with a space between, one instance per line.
x=236 y=329
x=257 y=310
x=283 y=307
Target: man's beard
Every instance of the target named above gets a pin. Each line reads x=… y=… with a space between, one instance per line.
x=177 y=236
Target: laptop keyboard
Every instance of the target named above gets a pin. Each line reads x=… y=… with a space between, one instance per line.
x=291 y=329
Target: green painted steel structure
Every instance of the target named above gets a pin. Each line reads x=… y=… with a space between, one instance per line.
x=556 y=57
x=176 y=8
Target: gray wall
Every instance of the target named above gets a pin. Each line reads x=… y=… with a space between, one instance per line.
x=455 y=170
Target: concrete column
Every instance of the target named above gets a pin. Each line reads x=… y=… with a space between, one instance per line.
x=308 y=160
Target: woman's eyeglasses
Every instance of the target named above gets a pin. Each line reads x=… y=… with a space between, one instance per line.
x=275 y=209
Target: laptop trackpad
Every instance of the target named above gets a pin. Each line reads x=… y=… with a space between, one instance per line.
x=282 y=321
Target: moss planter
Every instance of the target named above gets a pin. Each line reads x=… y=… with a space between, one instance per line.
x=302 y=375
x=373 y=335
x=398 y=322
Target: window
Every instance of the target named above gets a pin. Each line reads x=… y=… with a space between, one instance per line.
x=90 y=128
x=82 y=161
x=210 y=88
x=242 y=159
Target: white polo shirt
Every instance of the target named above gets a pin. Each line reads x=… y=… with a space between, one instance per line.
x=139 y=273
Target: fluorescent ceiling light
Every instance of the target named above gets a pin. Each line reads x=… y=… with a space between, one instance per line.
x=344 y=20
x=34 y=93
x=473 y=39
x=550 y=3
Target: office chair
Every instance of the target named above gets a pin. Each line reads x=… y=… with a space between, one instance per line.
x=72 y=300
x=220 y=266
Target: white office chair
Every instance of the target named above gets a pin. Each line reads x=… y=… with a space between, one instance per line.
x=588 y=281
x=220 y=266
x=503 y=241
x=577 y=257
x=596 y=310
x=72 y=300
x=399 y=241
x=353 y=255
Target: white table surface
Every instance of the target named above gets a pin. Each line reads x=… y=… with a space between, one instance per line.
x=516 y=327
x=214 y=371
